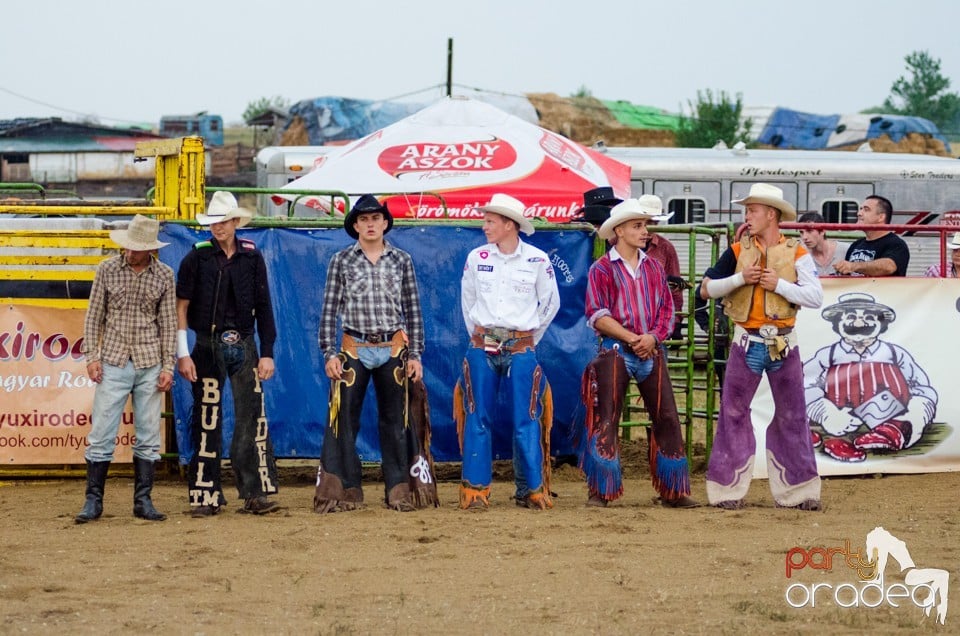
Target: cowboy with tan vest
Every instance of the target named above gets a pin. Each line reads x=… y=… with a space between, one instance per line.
x=764 y=279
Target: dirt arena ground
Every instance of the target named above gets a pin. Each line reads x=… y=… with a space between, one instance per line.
x=632 y=568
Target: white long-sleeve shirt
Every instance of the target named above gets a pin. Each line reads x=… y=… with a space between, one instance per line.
x=515 y=291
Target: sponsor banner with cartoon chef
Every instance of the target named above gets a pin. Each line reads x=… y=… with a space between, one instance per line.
x=880 y=365
x=45 y=395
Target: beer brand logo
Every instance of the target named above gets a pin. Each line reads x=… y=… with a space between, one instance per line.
x=474 y=156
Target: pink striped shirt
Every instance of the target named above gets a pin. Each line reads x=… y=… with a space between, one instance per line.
x=640 y=300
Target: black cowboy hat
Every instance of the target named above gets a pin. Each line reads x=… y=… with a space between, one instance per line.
x=600 y=196
x=596 y=205
x=593 y=214
x=366 y=204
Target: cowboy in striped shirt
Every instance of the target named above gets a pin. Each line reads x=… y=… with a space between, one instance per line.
x=629 y=304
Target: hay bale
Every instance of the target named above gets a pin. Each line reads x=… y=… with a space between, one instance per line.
x=295 y=134
x=587 y=120
x=914 y=143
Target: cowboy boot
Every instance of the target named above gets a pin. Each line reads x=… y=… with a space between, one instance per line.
x=142 y=486
x=96 y=478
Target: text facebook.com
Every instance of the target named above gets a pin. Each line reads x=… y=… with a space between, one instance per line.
x=31 y=429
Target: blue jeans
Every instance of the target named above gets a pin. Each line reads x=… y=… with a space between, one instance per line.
x=108 y=402
x=373 y=357
x=637 y=368
x=520 y=376
x=758 y=360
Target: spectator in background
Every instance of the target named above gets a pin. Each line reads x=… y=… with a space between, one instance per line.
x=953 y=263
x=881 y=252
x=662 y=250
x=825 y=252
x=596 y=206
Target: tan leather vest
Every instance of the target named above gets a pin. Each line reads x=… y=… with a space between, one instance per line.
x=782 y=259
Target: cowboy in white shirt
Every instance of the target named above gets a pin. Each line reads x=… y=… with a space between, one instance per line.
x=509 y=296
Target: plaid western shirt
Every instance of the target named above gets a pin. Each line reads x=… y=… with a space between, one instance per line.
x=371 y=298
x=131 y=316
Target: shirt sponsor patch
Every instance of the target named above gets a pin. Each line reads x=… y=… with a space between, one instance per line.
x=535 y=259
x=484 y=268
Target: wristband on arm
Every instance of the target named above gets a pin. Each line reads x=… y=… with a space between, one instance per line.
x=183 y=350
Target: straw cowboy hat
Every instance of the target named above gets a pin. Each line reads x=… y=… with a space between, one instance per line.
x=223 y=207
x=367 y=204
x=140 y=235
x=767 y=194
x=648 y=206
x=954 y=243
x=506 y=205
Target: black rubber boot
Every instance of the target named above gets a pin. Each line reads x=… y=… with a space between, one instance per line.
x=96 y=478
x=142 y=486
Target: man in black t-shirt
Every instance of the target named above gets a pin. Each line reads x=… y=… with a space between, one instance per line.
x=881 y=252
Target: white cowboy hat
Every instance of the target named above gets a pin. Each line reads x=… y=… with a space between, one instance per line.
x=506 y=205
x=954 y=243
x=223 y=207
x=767 y=194
x=140 y=235
x=648 y=206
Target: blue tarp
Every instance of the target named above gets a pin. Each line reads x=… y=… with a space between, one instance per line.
x=296 y=398
x=787 y=128
x=329 y=119
x=792 y=129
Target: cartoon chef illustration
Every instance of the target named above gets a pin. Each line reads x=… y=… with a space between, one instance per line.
x=863 y=392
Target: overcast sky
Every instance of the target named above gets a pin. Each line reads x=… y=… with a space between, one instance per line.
x=131 y=61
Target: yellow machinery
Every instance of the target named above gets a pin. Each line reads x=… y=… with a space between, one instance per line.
x=36 y=245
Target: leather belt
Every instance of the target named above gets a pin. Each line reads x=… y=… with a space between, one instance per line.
x=372 y=338
x=780 y=332
x=502 y=334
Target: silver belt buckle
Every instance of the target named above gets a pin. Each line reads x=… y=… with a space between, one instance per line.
x=230 y=336
x=499 y=333
x=768 y=332
x=373 y=338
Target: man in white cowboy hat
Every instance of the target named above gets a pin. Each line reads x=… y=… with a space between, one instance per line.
x=764 y=279
x=509 y=297
x=629 y=305
x=880 y=252
x=372 y=289
x=223 y=295
x=128 y=341
x=953 y=263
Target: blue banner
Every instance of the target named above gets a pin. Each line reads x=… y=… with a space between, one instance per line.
x=297 y=396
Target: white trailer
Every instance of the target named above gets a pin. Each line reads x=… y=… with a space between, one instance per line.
x=698 y=185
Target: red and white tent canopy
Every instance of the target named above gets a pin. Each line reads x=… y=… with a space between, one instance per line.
x=466 y=151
